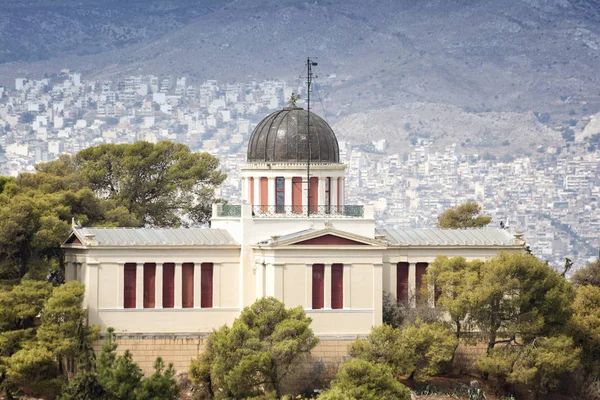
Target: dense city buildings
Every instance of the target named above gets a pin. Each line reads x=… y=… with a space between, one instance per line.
x=550 y=196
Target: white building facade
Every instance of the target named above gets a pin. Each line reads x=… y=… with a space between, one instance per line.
x=293 y=238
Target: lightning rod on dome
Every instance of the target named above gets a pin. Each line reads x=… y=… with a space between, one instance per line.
x=309 y=77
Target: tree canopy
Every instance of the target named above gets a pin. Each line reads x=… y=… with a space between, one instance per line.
x=141 y=184
x=512 y=294
x=464 y=216
x=159 y=183
x=254 y=356
x=42 y=329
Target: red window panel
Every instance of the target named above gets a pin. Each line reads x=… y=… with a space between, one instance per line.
x=337 y=286
x=297 y=195
x=187 y=285
x=313 y=200
x=264 y=194
x=149 y=285
x=168 y=285
x=206 y=285
x=129 y=285
x=402 y=281
x=318 y=286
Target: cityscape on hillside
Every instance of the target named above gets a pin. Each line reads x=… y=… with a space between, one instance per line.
x=551 y=197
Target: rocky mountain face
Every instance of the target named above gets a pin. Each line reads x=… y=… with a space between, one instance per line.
x=516 y=56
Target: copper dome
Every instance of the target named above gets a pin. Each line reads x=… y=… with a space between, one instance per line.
x=281 y=137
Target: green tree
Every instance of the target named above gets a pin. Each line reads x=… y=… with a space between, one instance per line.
x=464 y=216
x=156 y=182
x=119 y=375
x=364 y=380
x=541 y=363
x=252 y=357
x=589 y=275
x=63 y=322
x=419 y=350
x=517 y=295
x=455 y=279
x=585 y=325
x=161 y=385
x=41 y=328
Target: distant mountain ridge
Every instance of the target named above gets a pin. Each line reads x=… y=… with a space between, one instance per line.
x=486 y=55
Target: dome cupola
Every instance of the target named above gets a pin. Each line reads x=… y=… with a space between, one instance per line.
x=281 y=137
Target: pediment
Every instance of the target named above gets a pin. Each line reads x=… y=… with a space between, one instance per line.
x=330 y=240
x=73 y=239
x=324 y=237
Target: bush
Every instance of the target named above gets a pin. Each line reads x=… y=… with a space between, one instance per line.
x=419 y=350
x=363 y=380
x=253 y=357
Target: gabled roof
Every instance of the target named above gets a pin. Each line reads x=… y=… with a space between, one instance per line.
x=449 y=237
x=310 y=236
x=151 y=237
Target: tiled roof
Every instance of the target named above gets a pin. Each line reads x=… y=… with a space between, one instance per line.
x=448 y=237
x=157 y=236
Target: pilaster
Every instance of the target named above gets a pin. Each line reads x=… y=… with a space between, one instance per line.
x=197 y=284
x=271 y=191
x=412 y=284
x=288 y=191
x=347 y=286
x=216 y=285
x=308 y=300
x=178 y=285
x=120 y=285
x=139 y=286
x=327 y=283
x=158 y=286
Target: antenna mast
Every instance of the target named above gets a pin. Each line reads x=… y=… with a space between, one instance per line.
x=309 y=77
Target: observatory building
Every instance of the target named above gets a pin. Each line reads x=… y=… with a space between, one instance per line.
x=294 y=237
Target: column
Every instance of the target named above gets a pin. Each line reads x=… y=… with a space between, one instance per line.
x=278 y=281
x=245 y=192
x=178 y=292
x=347 y=286
x=216 y=285
x=197 y=284
x=271 y=193
x=259 y=280
x=120 y=285
x=392 y=287
x=308 y=300
x=288 y=194
x=269 y=272
x=333 y=191
x=158 y=287
x=342 y=199
x=327 y=283
x=139 y=285
x=304 y=195
x=256 y=193
x=377 y=294
x=412 y=284
x=91 y=294
x=322 y=200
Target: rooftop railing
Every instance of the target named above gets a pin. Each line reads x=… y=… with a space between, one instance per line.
x=278 y=211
